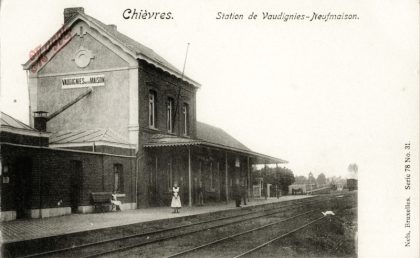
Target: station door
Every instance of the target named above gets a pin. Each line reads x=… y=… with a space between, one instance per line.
x=23 y=186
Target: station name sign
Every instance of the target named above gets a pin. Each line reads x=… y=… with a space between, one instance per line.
x=83 y=81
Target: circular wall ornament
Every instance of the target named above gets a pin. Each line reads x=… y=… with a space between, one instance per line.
x=83 y=57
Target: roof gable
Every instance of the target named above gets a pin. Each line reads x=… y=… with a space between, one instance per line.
x=129 y=45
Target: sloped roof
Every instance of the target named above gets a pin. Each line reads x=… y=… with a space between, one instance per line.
x=140 y=50
x=205 y=134
x=216 y=135
x=8 y=121
x=161 y=140
x=12 y=125
x=209 y=136
x=133 y=45
x=90 y=136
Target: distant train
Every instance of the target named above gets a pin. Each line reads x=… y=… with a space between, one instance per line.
x=352 y=184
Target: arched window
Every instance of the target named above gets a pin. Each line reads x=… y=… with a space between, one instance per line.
x=185 y=113
x=152 y=109
x=118 y=178
x=169 y=175
x=211 y=175
x=169 y=115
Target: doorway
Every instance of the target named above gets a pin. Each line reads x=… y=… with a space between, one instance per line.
x=23 y=186
x=76 y=174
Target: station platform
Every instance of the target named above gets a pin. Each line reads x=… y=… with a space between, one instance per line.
x=27 y=229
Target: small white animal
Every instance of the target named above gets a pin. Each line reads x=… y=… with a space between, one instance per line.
x=327 y=213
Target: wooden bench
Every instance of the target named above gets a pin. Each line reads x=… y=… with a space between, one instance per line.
x=102 y=200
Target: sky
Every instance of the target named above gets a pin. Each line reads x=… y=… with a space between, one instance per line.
x=320 y=95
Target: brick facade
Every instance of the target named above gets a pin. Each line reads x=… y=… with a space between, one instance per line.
x=50 y=178
x=166 y=86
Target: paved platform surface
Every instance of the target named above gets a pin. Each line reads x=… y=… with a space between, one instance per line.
x=36 y=228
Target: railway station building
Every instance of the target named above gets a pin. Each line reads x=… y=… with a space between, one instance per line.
x=108 y=114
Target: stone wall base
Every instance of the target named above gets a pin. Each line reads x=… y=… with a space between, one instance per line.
x=7 y=215
x=54 y=212
x=91 y=208
x=49 y=212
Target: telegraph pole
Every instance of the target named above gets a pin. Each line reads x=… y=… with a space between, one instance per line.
x=180 y=86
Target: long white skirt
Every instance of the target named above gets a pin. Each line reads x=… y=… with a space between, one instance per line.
x=176 y=202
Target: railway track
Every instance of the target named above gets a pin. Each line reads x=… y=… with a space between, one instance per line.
x=254 y=250
x=257 y=238
x=121 y=244
x=248 y=252
x=194 y=251
x=233 y=244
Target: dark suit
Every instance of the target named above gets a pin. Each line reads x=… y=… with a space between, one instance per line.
x=237 y=194
x=244 y=193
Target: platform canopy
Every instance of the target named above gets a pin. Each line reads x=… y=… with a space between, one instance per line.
x=99 y=136
x=211 y=137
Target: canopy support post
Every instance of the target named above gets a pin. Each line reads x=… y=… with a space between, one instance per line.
x=226 y=179
x=249 y=179
x=189 y=178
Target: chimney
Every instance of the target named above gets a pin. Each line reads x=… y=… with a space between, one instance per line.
x=69 y=13
x=40 y=120
x=112 y=26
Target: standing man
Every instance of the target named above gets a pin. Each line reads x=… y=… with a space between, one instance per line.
x=237 y=193
x=244 y=192
x=265 y=191
x=200 y=194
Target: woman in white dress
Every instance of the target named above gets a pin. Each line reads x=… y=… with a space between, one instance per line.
x=176 y=199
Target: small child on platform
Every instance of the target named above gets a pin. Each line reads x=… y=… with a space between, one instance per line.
x=176 y=199
x=115 y=202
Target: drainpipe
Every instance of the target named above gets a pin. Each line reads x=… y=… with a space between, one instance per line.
x=137 y=178
x=226 y=179
x=103 y=172
x=40 y=179
x=248 y=179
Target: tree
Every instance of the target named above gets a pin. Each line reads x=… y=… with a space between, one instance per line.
x=285 y=178
x=321 y=180
x=280 y=177
x=301 y=180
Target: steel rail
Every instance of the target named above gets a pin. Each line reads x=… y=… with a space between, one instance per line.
x=279 y=237
x=252 y=230
x=280 y=209
x=285 y=235
x=123 y=248
x=239 y=234
x=69 y=249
